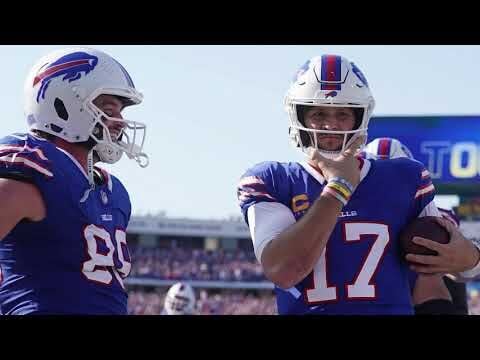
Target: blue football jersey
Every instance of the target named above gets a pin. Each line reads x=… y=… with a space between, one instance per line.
x=360 y=270
x=74 y=260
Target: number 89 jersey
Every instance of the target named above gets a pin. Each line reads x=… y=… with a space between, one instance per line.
x=74 y=260
x=360 y=270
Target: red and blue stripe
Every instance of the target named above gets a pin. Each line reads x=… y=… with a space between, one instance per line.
x=331 y=71
x=384 y=147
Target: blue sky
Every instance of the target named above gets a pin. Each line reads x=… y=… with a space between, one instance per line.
x=214 y=111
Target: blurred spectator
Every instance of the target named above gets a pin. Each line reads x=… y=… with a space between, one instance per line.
x=239 y=302
x=195 y=264
x=198 y=264
x=473 y=291
x=228 y=302
x=145 y=303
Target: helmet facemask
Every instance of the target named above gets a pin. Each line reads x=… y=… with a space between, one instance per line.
x=179 y=305
x=307 y=139
x=129 y=140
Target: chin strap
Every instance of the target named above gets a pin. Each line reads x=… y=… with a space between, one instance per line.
x=91 y=180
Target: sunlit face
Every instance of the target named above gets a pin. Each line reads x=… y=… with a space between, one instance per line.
x=329 y=118
x=112 y=106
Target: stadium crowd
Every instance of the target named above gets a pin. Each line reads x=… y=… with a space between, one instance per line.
x=473 y=291
x=195 y=264
x=219 y=265
x=229 y=302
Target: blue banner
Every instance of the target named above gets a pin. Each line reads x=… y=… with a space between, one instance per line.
x=449 y=146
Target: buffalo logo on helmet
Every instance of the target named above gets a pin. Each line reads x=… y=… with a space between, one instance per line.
x=69 y=66
x=331 y=94
x=360 y=76
x=301 y=71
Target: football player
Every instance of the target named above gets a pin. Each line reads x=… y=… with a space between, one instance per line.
x=326 y=230
x=180 y=300
x=63 y=246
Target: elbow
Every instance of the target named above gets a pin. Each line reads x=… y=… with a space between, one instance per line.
x=283 y=281
x=283 y=275
x=283 y=268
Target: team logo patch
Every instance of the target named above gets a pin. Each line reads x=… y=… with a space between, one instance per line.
x=300 y=203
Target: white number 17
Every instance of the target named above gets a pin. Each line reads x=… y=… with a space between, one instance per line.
x=360 y=287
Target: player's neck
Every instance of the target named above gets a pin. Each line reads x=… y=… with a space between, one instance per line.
x=314 y=165
x=78 y=152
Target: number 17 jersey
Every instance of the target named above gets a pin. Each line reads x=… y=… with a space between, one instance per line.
x=360 y=270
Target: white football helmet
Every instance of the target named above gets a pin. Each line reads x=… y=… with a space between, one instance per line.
x=387 y=148
x=328 y=80
x=180 y=300
x=59 y=93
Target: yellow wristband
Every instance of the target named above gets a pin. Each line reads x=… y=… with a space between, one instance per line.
x=340 y=188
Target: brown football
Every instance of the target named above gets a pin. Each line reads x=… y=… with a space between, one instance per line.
x=427 y=228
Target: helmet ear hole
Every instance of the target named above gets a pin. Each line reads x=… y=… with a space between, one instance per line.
x=60 y=109
x=97 y=131
x=56 y=128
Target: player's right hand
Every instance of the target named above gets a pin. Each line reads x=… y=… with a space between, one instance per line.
x=346 y=165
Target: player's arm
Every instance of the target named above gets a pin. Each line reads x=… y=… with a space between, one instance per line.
x=20 y=200
x=291 y=255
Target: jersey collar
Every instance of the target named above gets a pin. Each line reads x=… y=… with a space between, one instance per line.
x=364 y=169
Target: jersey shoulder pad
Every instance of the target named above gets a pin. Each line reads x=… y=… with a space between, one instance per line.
x=266 y=181
x=25 y=157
